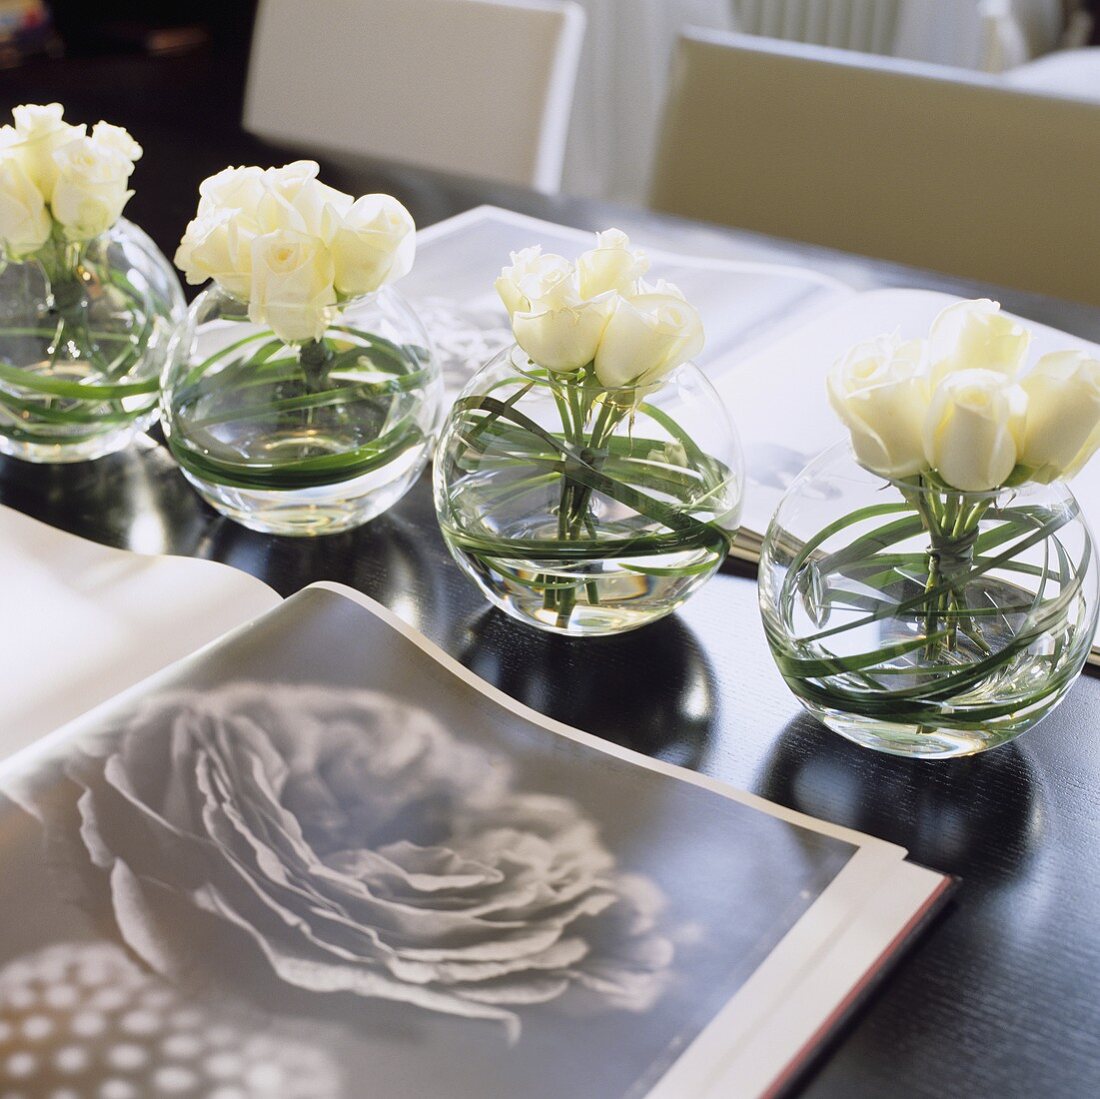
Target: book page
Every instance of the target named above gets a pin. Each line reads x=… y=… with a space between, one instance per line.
x=451 y=286
x=326 y=846
x=82 y=621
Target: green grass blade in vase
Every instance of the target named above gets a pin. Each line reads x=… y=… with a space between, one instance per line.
x=928 y=587
x=303 y=397
x=87 y=302
x=588 y=479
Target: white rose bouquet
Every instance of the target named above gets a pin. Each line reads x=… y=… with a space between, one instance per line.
x=59 y=185
x=597 y=343
x=959 y=411
x=598 y=318
x=952 y=603
x=89 y=301
x=300 y=367
x=293 y=248
x=953 y=419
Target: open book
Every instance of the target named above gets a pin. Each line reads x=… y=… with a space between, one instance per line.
x=319 y=852
x=773 y=331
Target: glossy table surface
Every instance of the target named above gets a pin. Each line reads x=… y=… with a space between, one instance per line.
x=1000 y=997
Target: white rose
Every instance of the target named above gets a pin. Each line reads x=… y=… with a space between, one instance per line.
x=115 y=138
x=531 y=277
x=290 y=178
x=648 y=335
x=880 y=392
x=562 y=331
x=300 y=203
x=296 y=199
x=238 y=189
x=976 y=335
x=973 y=428
x=275 y=207
x=25 y=223
x=1063 y=415
x=353 y=246
x=374 y=243
x=218 y=247
x=322 y=208
x=611 y=265
x=91 y=190
x=39 y=133
x=291 y=289
x=217 y=243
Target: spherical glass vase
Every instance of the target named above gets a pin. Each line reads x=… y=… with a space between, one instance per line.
x=922 y=621
x=84 y=336
x=302 y=438
x=583 y=510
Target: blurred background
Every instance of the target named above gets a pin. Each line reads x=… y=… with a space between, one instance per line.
x=752 y=113
x=112 y=55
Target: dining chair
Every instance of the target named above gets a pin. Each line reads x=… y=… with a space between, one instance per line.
x=475 y=87
x=914 y=163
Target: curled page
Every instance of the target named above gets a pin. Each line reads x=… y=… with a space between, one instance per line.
x=82 y=621
x=322 y=852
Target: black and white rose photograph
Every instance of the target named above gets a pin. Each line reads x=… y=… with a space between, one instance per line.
x=335 y=845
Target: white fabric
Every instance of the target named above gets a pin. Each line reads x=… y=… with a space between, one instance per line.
x=1004 y=43
x=621 y=90
x=867 y=25
x=974 y=34
x=1074 y=74
x=977 y=34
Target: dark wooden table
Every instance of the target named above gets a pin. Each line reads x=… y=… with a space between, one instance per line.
x=1000 y=998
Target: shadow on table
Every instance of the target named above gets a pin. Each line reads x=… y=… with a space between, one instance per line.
x=651 y=690
x=978 y=817
x=136 y=499
x=384 y=559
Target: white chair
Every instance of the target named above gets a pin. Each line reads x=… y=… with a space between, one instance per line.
x=475 y=87
x=914 y=163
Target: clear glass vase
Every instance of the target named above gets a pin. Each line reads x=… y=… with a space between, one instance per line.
x=302 y=438
x=84 y=335
x=583 y=510
x=919 y=620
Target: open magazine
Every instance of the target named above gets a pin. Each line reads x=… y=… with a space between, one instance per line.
x=743 y=304
x=83 y=621
x=319 y=851
x=773 y=331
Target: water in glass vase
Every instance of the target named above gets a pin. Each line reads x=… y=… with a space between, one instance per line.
x=582 y=510
x=304 y=439
x=924 y=621
x=604 y=594
x=83 y=339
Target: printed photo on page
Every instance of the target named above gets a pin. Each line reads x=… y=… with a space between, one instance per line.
x=315 y=861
